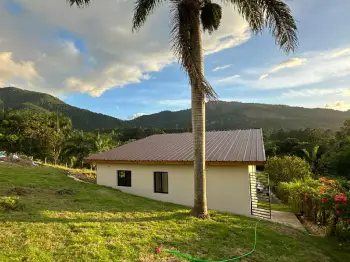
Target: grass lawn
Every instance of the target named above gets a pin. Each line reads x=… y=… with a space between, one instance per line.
x=103 y=224
x=276 y=207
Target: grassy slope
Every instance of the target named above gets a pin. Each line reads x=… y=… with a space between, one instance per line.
x=103 y=224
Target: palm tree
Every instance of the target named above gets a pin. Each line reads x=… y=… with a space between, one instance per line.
x=312 y=157
x=78 y=145
x=187 y=17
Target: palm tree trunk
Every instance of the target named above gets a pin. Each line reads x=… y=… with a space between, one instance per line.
x=198 y=126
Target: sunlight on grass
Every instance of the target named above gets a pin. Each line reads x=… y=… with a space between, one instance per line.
x=73 y=170
x=103 y=224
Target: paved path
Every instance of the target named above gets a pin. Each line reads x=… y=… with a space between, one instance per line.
x=286 y=218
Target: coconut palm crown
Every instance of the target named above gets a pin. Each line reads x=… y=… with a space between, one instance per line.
x=272 y=14
x=188 y=19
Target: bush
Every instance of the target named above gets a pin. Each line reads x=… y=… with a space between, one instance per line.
x=10 y=204
x=286 y=169
x=324 y=201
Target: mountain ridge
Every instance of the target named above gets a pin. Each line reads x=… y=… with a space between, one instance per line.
x=219 y=115
x=16 y=98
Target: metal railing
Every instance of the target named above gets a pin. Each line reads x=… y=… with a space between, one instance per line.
x=260 y=194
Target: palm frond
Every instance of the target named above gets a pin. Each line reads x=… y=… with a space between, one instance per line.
x=278 y=17
x=274 y=14
x=142 y=9
x=251 y=11
x=211 y=15
x=307 y=154
x=184 y=17
x=315 y=152
x=79 y=3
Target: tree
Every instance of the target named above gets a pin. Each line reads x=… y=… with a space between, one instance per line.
x=312 y=157
x=286 y=169
x=78 y=145
x=104 y=142
x=62 y=127
x=187 y=18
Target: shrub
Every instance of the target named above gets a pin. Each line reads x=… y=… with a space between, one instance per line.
x=10 y=204
x=286 y=169
x=324 y=201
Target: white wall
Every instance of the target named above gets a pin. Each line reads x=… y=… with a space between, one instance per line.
x=228 y=187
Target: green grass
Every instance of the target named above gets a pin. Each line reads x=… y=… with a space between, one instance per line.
x=276 y=207
x=72 y=170
x=103 y=224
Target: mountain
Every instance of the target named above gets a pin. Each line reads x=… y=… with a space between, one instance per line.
x=230 y=115
x=220 y=115
x=15 y=98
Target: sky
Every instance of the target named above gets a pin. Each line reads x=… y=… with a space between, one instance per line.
x=90 y=58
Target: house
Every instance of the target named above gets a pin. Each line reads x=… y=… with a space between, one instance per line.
x=160 y=167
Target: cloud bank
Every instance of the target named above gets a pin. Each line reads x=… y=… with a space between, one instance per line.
x=53 y=48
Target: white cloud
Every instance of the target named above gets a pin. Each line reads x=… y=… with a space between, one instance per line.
x=113 y=56
x=10 y=69
x=346 y=92
x=229 y=79
x=321 y=68
x=176 y=102
x=136 y=115
x=262 y=77
x=225 y=42
x=293 y=62
x=221 y=67
x=338 y=105
x=341 y=52
x=316 y=92
x=70 y=48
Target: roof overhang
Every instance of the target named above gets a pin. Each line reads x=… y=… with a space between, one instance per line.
x=208 y=163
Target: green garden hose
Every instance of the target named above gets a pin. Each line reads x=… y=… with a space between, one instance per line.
x=179 y=254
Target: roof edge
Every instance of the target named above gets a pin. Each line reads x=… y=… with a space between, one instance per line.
x=146 y=162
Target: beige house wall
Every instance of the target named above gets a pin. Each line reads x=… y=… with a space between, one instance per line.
x=228 y=187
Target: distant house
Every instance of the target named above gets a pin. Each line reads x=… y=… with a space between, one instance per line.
x=161 y=167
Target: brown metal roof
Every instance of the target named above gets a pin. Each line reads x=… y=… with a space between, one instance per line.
x=221 y=146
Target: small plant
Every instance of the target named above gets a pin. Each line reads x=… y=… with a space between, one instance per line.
x=8 y=204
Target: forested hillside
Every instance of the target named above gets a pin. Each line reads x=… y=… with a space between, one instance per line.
x=231 y=115
x=15 y=98
x=219 y=115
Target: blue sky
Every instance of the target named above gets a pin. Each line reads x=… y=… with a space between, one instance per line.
x=90 y=58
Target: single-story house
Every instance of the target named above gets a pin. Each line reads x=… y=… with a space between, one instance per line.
x=160 y=167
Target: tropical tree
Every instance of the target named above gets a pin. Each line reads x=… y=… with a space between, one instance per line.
x=61 y=128
x=79 y=145
x=312 y=157
x=187 y=18
x=286 y=169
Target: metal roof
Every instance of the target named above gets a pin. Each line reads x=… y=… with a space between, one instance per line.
x=224 y=146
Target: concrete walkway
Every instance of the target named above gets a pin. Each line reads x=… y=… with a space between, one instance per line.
x=286 y=218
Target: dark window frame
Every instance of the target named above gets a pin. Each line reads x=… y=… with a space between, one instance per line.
x=162 y=191
x=119 y=181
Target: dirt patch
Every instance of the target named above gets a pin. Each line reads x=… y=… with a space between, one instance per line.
x=86 y=177
x=66 y=191
x=287 y=230
x=19 y=191
x=20 y=161
x=312 y=228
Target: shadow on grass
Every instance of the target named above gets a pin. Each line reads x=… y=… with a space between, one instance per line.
x=44 y=217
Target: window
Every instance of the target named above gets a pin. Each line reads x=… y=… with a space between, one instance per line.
x=161 y=182
x=124 y=178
